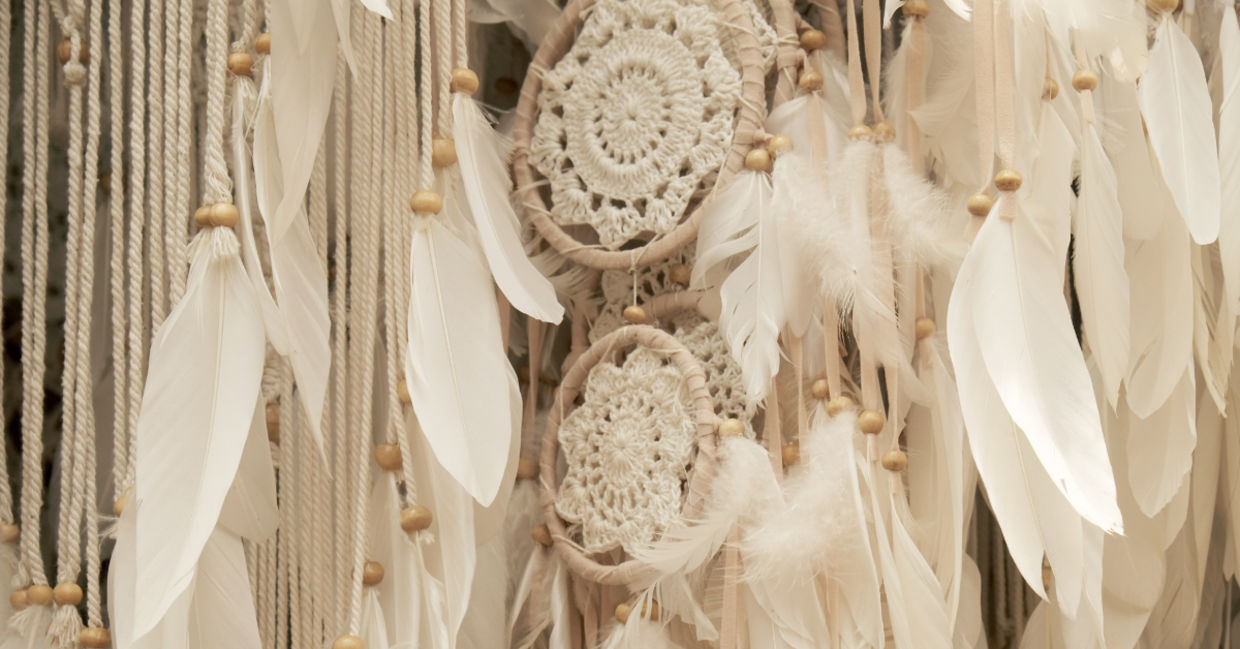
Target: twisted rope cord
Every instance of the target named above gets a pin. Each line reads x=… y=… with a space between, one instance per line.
x=217 y=185
x=407 y=152
x=6 y=493
x=136 y=332
x=156 y=152
x=441 y=14
x=176 y=229
x=314 y=486
x=289 y=603
x=340 y=313
x=460 y=26
x=116 y=234
x=426 y=91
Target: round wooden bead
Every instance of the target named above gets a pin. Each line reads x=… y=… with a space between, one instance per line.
x=388 y=457
x=1050 y=88
x=402 y=391
x=443 y=152
x=916 y=8
x=860 y=132
x=118 y=506
x=731 y=428
x=790 y=453
x=200 y=216
x=635 y=314
x=810 y=81
x=1160 y=6
x=820 y=388
x=623 y=610
x=871 y=422
x=527 y=468
x=372 y=573
x=885 y=131
x=18 y=599
x=541 y=534
x=924 y=327
x=67 y=594
x=464 y=80
x=425 y=201
x=262 y=44
x=681 y=274
x=65 y=48
x=779 y=145
x=39 y=594
x=217 y=215
x=95 y=637
x=241 y=64
x=10 y=533
x=839 y=404
x=980 y=204
x=348 y=642
x=1084 y=80
x=1007 y=180
x=758 y=160
x=813 y=39
x=273 y=422
x=895 y=460
x=415 y=518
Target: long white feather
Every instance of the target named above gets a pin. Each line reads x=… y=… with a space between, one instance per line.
x=197 y=407
x=728 y=228
x=1177 y=109
x=374 y=622
x=1229 y=154
x=1161 y=292
x=915 y=598
x=485 y=176
x=250 y=510
x=1160 y=448
x=26 y=629
x=1100 y=280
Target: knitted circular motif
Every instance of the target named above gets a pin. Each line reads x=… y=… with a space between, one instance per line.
x=628 y=448
x=636 y=119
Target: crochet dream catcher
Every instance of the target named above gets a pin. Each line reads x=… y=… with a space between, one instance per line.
x=633 y=111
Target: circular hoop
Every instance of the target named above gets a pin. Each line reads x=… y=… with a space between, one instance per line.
x=630 y=570
x=556 y=44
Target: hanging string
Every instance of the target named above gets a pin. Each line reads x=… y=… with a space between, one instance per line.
x=6 y=494
x=460 y=27
x=441 y=14
x=984 y=85
x=177 y=223
x=345 y=148
x=163 y=67
x=216 y=185
x=407 y=151
x=426 y=90
x=137 y=215
x=116 y=233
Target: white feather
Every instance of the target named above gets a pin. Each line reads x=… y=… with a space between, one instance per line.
x=915 y=598
x=26 y=629
x=1161 y=291
x=1176 y=104
x=1029 y=351
x=250 y=510
x=481 y=162
x=752 y=312
x=373 y=630
x=1143 y=196
x=201 y=389
x=1098 y=262
x=1229 y=154
x=728 y=227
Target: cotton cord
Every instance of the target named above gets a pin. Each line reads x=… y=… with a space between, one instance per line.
x=406 y=154
x=346 y=149
x=217 y=186
x=6 y=493
x=162 y=65
x=441 y=15
x=175 y=231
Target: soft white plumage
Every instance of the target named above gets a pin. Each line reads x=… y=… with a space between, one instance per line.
x=1161 y=292
x=1229 y=154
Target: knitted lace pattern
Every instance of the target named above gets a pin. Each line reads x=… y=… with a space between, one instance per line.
x=628 y=449
x=637 y=118
x=723 y=374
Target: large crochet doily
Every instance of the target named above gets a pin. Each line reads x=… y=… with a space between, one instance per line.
x=636 y=118
x=628 y=449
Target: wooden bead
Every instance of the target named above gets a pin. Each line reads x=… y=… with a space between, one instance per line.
x=273 y=423
x=758 y=160
x=65 y=48
x=980 y=204
x=262 y=44
x=18 y=599
x=813 y=39
x=916 y=8
x=810 y=81
x=1007 y=180
x=884 y=131
x=731 y=428
x=200 y=215
x=527 y=468
x=681 y=274
x=388 y=457
x=402 y=391
x=241 y=64
x=623 y=610
x=871 y=422
x=216 y=215
x=464 y=80
x=425 y=201
x=839 y=404
x=67 y=594
x=1162 y=6
x=348 y=642
x=118 y=506
x=1084 y=80
x=10 y=533
x=779 y=145
x=1050 y=88
x=39 y=594
x=860 y=132
x=820 y=388
x=790 y=453
x=541 y=534
x=635 y=314
x=95 y=637
x=415 y=518
x=895 y=460
x=372 y=573
x=924 y=327
x=443 y=152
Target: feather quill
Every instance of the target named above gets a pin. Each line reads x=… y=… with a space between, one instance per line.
x=1177 y=109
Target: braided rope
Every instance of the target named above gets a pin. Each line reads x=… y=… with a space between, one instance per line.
x=122 y=458
x=6 y=493
x=340 y=300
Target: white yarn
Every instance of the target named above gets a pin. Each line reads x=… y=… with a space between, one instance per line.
x=216 y=185
x=175 y=231
x=407 y=153
x=6 y=494
x=162 y=66
x=136 y=216
x=339 y=377
x=636 y=119
x=628 y=448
